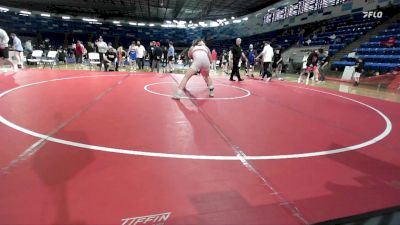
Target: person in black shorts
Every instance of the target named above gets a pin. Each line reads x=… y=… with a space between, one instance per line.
x=277 y=64
x=358 y=70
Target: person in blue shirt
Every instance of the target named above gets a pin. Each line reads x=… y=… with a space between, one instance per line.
x=171 y=55
x=252 y=58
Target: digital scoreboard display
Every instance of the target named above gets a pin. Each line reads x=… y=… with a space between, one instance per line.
x=299 y=8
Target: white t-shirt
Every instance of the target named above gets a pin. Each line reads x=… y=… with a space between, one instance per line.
x=140 y=52
x=267 y=53
x=102 y=46
x=4 y=39
x=305 y=57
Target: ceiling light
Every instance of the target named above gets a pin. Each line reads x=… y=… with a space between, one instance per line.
x=214 y=24
x=66 y=17
x=233 y=17
x=236 y=21
x=89 y=20
x=133 y=23
x=25 y=12
x=151 y=25
x=168 y=21
x=116 y=22
x=245 y=19
x=2 y=9
x=141 y=24
x=45 y=15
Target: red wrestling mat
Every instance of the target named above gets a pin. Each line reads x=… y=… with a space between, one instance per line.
x=81 y=147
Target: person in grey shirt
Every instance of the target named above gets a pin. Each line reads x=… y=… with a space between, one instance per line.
x=102 y=48
x=19 y=50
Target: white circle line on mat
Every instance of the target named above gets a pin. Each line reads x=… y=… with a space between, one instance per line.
x=248 y=93
x=385 y=133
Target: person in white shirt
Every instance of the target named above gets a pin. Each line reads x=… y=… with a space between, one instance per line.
x=141 y=52
x=102 y=49
x=267 y=55
x=4 y=39
x=202 y=60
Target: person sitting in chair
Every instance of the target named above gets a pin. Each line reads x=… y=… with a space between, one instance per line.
x=110 y=59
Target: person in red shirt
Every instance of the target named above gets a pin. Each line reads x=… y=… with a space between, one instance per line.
x=214 y=60
x=79 y=50
x=390 y=42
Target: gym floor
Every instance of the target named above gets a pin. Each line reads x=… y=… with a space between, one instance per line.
x=90 y=147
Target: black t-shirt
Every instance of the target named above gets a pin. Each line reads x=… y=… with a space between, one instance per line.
x=236 y=52
x=151 y=52
x=325 y=59
x=89 y=48
x=277 y=57
x=111 y=55
x=359 y=66
x=158 y=53
x=312 y=59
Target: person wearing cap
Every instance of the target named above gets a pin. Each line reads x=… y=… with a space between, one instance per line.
x=158 y=52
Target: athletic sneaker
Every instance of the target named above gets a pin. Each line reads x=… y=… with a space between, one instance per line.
x=212 y=93
x=269 y=79
x=178 y=95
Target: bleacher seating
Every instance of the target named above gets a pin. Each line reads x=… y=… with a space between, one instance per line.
x=345 y=33
x=377 y=56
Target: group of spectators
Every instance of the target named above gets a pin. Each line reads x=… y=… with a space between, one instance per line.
x=134 y=55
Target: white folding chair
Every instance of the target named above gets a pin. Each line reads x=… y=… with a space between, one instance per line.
x=50 y=59
x=94 y=59
x=36 y=57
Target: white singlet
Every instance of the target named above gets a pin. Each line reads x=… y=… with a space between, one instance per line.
x=200 y=58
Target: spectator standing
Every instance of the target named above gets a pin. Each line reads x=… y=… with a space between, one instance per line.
x=141 y=52
x=4 y=39
x=102 y=49
x=19 y=51
x=171 y=56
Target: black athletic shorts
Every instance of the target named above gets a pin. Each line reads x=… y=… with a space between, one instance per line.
x=170 y=58
x=4 y=53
